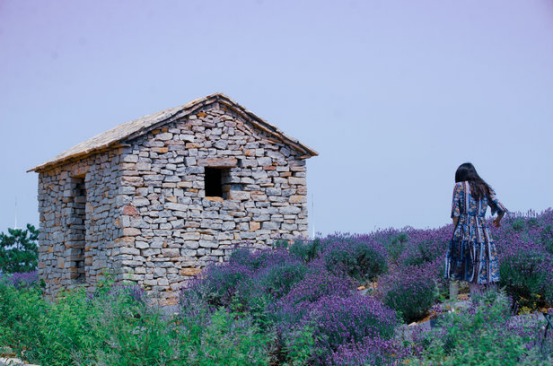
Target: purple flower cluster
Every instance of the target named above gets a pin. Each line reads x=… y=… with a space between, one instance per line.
x=357 y=256
x=425 y=246
x=318 y=283
x=409 y=290
x=134 y=291
x=370 y=352
x=23 y=280
x=219 y=284
x=340 y=320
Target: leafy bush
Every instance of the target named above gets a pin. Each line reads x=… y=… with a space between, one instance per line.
x=358 y=257
x=486 y=335
x=299 y=346
x=527 y=275
x=115 y=326
x=226 y=339
x=410 y=291
x=22 y=311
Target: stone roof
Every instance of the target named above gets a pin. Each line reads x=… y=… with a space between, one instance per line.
x=113 y=138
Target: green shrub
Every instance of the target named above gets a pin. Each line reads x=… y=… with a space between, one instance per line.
x=226 y=339
x=300 y=345
x=485 y=335
x=23 y=311
x=526 y=275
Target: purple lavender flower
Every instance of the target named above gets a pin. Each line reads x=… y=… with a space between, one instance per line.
x=370 y=352
x=23 y=280
x=409 y=290
x=357 y=256
x=340 y=320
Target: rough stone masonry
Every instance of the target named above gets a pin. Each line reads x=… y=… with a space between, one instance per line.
x=157 y=199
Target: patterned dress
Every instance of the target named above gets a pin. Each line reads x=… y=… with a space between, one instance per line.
x=472 y=254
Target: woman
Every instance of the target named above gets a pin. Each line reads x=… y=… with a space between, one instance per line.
x=472 y=255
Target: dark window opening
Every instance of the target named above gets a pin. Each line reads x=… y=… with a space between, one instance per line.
x=217 y=182
x=77 y=230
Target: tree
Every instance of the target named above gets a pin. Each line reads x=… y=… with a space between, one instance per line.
x=19 y=250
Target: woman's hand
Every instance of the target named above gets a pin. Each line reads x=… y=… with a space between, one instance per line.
x=496 y=221
x=455 y=221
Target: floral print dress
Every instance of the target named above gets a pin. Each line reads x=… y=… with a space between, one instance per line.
x=472 y=254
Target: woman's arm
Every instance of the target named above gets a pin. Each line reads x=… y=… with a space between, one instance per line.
x=457 y=197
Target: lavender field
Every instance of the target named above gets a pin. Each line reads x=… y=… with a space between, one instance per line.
x=344 y=299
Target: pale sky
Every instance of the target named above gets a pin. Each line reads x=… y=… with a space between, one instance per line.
x=393 y=94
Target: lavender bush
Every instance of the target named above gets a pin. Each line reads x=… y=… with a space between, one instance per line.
x=357 y=256
x=526 y=272
x=426 y=246
x=308 y=250
x=23 y=280
x=280 y=275
x=396 y=243
x=340 y=320
x=525 y=255
x=220 y=284
x=318 y=283
x=370 y=352
x=410 y=291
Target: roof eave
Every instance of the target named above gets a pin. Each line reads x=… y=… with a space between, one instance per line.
x=184 y=111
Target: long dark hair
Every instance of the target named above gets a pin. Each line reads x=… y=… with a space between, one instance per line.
x=479 y=188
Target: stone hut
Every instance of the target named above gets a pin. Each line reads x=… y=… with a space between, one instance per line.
x=159 y=198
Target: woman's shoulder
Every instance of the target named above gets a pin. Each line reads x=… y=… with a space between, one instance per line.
x=460 y=185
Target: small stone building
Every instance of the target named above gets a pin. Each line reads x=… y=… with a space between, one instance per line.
x=159 y=198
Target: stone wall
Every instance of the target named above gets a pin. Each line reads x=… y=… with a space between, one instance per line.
x=171 y=229
x=78 y=221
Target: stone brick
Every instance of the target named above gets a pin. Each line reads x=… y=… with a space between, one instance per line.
x=218 y=162
x=254 y=226
x=131 y=232
x=189 y=272
x=130 y=210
